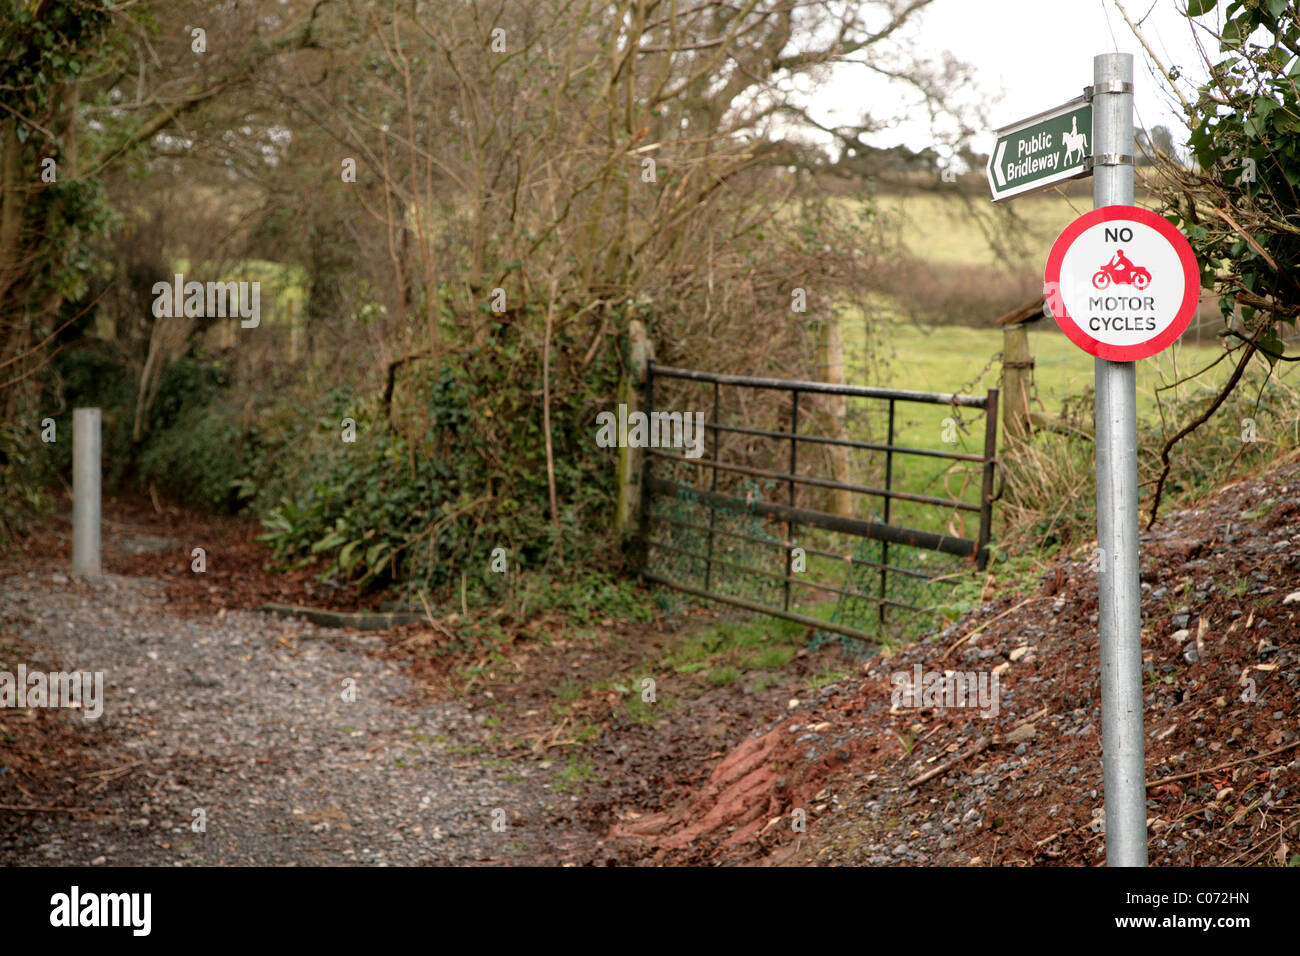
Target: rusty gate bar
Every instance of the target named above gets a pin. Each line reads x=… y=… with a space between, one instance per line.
x=889 y=475
x=986 y=491
x=819 y=482
x=772 y=575
x=794 y=467
x=792 y=516
x=911 y=537
x=642 y=547
x=773 y=543
x=764 y=609
x=823 y=388
x=717 y=453
x=848 y=443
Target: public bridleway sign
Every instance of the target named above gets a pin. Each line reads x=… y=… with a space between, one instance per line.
x=1122 y=283
x=1048 y=148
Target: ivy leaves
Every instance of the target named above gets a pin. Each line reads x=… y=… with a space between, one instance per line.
x=1239 y=209
x=43 y=46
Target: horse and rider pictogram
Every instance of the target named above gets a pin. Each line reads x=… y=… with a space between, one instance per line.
x=1075 y=143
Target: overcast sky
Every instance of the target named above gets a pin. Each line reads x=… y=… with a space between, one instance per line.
x=1030 y=55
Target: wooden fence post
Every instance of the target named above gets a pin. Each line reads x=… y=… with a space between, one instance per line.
x=630 y=460
x=1017 y=381
x=1017 y=369
x=830 y=368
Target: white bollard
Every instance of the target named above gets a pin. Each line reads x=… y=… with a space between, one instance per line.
x=86 y=449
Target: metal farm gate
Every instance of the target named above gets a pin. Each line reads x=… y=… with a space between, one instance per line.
x=730 y=531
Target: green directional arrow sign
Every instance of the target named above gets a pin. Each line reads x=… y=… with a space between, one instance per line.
x=1048 y=148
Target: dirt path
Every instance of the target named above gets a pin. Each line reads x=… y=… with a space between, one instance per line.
x=754 y=750
x=482 y=740
x=297 y=744
x=539 y=726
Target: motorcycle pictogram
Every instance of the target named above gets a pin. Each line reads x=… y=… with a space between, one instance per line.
x=1121 y=272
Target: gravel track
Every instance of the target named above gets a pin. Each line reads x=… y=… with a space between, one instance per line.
x=243 y=716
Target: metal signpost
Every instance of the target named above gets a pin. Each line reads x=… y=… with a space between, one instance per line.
x=1123 y=752
x=1123 y=284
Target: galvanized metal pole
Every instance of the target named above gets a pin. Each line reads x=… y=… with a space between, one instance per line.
x=1119 y=610
x=85 y=490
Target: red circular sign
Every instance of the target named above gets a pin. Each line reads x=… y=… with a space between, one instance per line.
x=1122 y=283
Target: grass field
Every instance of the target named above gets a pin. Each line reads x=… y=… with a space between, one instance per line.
x=936 y=227
x=947 y=271
x=939 y=229
x=951 y=358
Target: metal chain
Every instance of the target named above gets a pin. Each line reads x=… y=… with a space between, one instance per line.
x=965 y=389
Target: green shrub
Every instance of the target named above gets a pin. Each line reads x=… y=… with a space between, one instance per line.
x=25 y=471
x=186 y=384
x=93 y=377
x=460 y=472
x=197 y=460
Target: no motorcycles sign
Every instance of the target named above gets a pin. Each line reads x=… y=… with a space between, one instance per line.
x=1122 y=283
